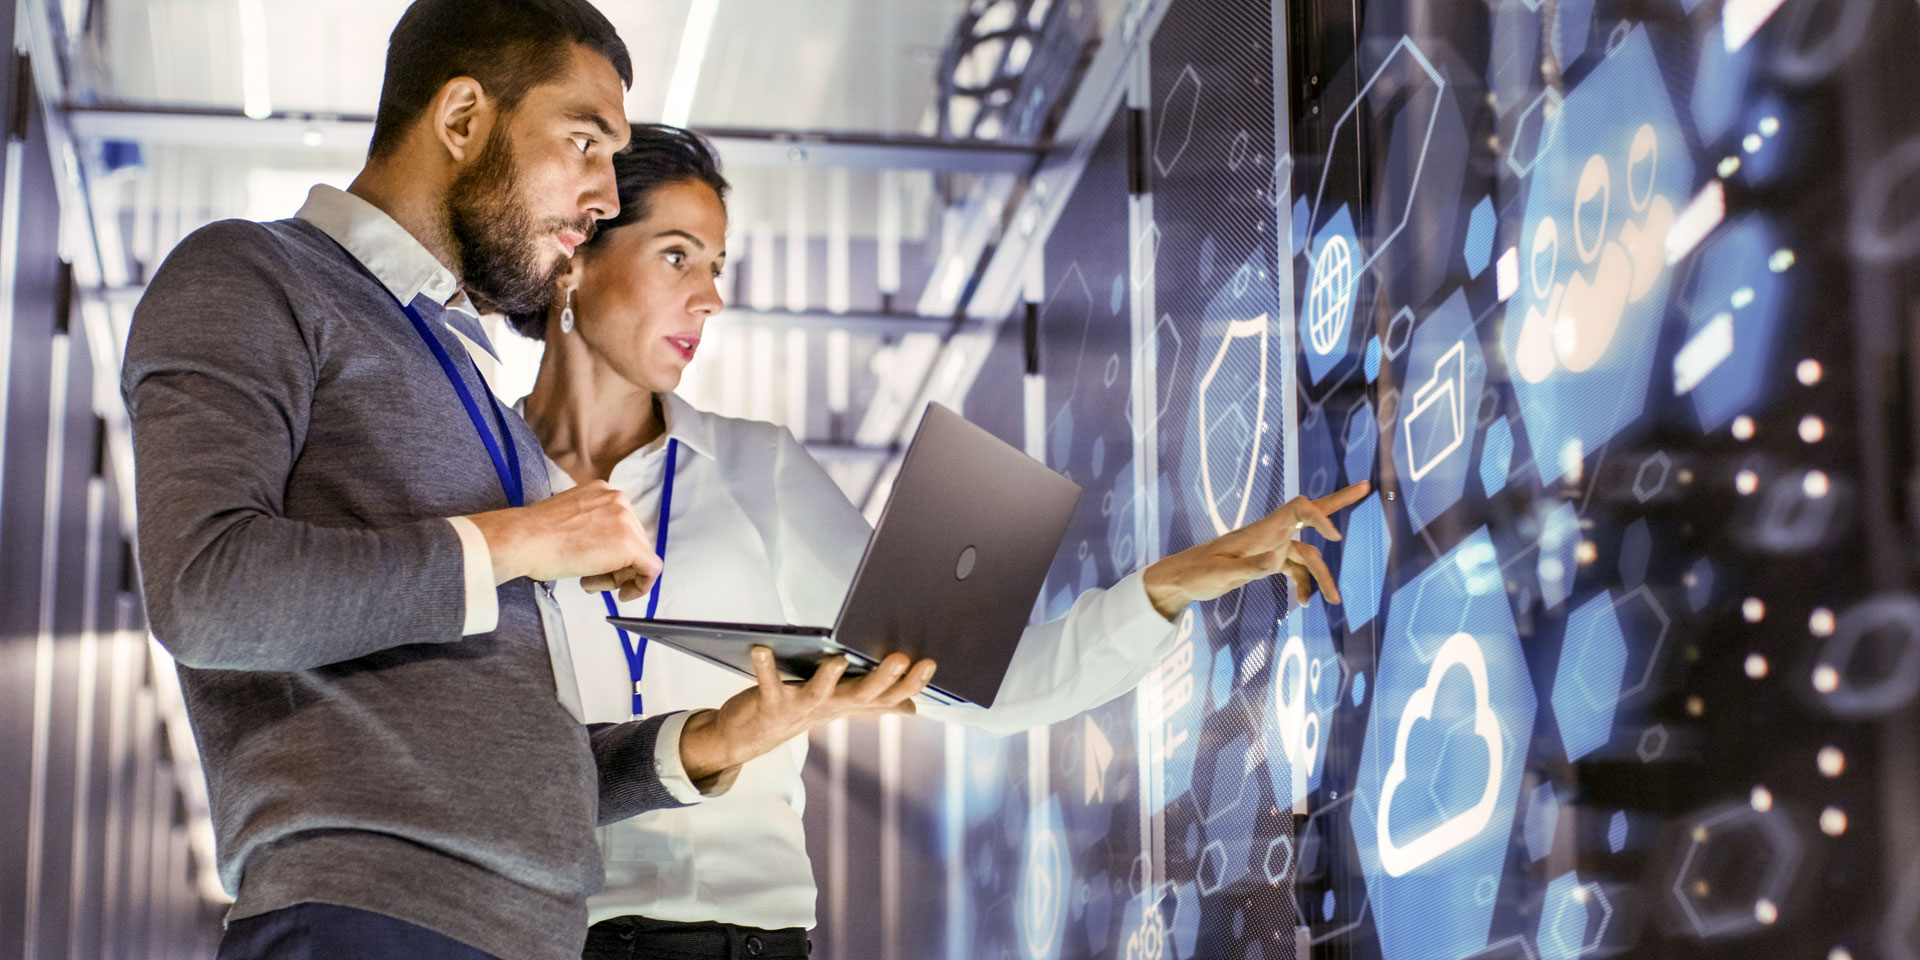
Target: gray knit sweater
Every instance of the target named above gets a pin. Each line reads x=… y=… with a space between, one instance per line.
x=297 y=451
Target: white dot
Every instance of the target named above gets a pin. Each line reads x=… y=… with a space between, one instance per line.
x=1781 y=261
x=1746 y=481
x=1769 y=126
x=1833 y=821
x=1765 y=911
x=1812 y=429
x=1742 y=297
x=1756 y=666
x=1751 y=143
x=1754 y=609
x=1816 y=484
x=1762 y=799
x=1831 y=762
x=1743 y=427
x=1821 y=622
x=1826 y=679
x=1729 y=166
x=1808 y=371
x=1586 y=553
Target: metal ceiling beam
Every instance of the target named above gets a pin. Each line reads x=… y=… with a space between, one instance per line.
x=194 y=126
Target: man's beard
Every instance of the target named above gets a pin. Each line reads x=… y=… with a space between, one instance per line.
x=496 y=239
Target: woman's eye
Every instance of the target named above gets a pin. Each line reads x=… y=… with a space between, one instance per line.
x=582 y=143
x=676 y=258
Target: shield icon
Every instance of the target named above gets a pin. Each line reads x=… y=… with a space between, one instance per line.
x=1230 y=433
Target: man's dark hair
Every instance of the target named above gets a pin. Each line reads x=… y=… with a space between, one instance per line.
x=658 y=155
x=509 y=46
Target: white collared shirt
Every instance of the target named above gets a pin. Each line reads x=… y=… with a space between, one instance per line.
x=761 y=534
x=408 y=269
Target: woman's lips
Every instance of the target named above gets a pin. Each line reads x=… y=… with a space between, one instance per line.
x=687 y=346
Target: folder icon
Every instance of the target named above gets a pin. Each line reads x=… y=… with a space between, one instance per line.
x=1436 y=423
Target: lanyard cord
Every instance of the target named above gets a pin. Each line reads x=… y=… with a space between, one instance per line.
x=636 y=647
x=506 y=467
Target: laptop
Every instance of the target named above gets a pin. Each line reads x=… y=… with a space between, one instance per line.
x=951 y=571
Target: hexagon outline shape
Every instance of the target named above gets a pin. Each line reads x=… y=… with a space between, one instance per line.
x=1549 y=123
x=1440 y=91
x=1665 y=463
x=1276 y=877
x=1166 y=106
x=1659 y=642
x=1784 y=843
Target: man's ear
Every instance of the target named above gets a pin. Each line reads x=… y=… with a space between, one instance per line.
x=463 y=117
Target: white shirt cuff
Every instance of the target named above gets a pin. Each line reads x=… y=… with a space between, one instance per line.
x=672 y=771
x=483 y=602
x=1129 y=618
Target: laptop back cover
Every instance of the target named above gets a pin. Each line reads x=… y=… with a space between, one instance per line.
x=959 y=556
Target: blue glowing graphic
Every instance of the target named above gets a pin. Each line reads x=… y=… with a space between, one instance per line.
x=1363 y=442
x=1593 y=661
x=1181 y=703
x=1480 y=230
x=1432 y=443
x=1617 y=832
x=1572 y=28
x=1306 y=689
x=1221 y=685
x=1044 y=884
x=1363 y=562
x=1223 y=472
x=1580 y=334
x=1359 y=689
x=1496 y=457
x=1319 y=467
x=1559 y=554
x=1371 y=364
x=1442 y=761
x=1302 y=221
x=1720 y=86
x=1543 y=821
x=1573 y=918
x=1227 y=857
x=1327 y=317
x=1735 y=309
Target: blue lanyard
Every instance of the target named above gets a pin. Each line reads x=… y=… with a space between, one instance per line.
x=636 y=647
x=507 y=467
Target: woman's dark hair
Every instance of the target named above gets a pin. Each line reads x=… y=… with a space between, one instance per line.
x=510 y=46
x=659 y=155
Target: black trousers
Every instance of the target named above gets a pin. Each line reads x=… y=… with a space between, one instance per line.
x=322 y=931
x=638 y=938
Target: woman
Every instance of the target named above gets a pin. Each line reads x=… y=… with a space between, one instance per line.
x=757 y=532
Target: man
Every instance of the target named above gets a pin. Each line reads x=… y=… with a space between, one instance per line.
x=342 y=532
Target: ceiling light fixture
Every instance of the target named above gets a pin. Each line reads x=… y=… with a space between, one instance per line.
x=686 y=69
x=257 y=96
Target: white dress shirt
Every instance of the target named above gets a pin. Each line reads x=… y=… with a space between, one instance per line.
x=408 y=269
x=761 y=534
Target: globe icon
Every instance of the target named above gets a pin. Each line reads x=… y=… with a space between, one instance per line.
x=1330 y=294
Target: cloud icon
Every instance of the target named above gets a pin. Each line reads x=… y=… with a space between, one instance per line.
x=1460 y=650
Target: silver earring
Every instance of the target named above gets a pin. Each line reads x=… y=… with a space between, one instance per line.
x=566 y=315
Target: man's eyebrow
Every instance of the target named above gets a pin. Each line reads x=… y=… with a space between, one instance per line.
x=586 y=115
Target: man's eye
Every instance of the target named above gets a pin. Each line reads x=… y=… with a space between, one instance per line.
x=583 y=143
